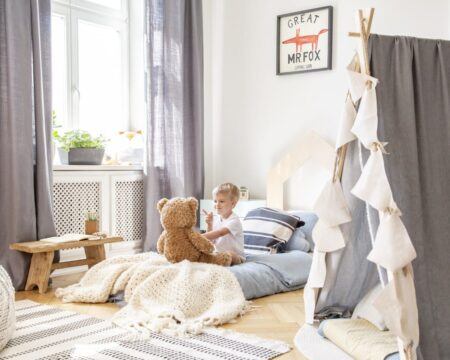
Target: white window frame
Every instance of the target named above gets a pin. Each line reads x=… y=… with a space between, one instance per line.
x=74 y=10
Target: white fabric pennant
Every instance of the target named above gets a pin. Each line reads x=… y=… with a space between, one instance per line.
x=346 y=123
x=397 y=304
x=357 y=81
x=393 y=249
x=330 y=206
x=373 y=185
x=366 y=122
x=318 y=271
x=326 y=238
x=309 y=298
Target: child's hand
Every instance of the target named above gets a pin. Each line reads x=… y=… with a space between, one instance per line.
x=208 y=218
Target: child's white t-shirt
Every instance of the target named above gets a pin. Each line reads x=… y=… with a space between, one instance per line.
x=234 y=240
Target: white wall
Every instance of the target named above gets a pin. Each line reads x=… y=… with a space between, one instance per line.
x=252 y=116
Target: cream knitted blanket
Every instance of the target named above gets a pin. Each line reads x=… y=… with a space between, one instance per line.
x=177 y=299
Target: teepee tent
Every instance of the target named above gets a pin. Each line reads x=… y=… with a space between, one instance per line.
x=398 y=93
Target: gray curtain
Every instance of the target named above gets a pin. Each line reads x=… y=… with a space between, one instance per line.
x=25 y=128
x=414 y=113
x=174 y=65
x=414 y=117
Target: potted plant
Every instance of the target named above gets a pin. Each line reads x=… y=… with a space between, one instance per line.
x=78 y=147
x=91 y=224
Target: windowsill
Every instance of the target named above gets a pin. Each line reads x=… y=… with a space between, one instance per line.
x=58 y=167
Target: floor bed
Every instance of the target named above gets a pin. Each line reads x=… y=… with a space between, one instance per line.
x=263 y=275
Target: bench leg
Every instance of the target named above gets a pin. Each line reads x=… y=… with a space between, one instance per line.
x=39 y=273
x=96 y=253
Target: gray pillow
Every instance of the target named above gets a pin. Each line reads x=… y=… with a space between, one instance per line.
x=298 y=242
x=310 y=220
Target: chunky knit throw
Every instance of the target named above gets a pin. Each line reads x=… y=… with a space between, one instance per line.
x=177 y=299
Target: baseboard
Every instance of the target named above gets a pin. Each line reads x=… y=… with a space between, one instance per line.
x=112 y=250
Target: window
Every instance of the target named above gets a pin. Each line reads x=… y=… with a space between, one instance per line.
x=90 y=65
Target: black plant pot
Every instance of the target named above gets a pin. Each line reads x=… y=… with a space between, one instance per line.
x=86 y=156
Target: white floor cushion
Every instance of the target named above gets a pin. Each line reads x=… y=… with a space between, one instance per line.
x=7 y=313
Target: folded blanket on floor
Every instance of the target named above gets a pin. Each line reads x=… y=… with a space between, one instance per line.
x=360 y=339
x=176 y=299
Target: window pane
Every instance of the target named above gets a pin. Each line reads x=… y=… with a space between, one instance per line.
x=100 y=76
x=59 y=69
x=115 y=4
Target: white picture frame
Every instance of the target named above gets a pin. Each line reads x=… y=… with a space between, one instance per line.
x=304 y=41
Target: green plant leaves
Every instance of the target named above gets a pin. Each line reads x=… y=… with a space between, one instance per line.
x=78 y=139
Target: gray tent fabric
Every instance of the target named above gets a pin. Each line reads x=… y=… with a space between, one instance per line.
x=414 y=114
x=174 y=161
x=414 y=117
x=25 y=130
x=342 y=287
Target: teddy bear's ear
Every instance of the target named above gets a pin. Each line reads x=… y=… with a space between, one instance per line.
x=161 y=204
x=193 y=203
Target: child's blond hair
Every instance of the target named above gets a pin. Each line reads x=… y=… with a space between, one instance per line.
x=229 y=189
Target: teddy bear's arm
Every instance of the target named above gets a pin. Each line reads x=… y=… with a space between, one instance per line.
x=201 y=243
x=161 y=241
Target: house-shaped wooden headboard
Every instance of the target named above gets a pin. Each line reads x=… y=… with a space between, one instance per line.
x=309 y=146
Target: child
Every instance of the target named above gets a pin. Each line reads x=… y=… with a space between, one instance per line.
x=225 y=229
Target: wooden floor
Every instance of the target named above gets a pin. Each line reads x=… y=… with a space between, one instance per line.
x=274 y=317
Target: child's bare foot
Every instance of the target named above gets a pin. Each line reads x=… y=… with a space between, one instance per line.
x=235 y=258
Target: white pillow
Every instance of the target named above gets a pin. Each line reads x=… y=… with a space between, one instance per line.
x=366 y=310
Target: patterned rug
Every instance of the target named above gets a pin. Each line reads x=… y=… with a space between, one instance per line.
x=45 y=332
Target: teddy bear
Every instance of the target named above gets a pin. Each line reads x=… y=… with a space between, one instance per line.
x=179 y=241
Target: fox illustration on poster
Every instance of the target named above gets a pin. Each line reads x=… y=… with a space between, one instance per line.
x=304 y=41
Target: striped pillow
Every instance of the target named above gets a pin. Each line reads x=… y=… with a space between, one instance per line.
x=268 y=230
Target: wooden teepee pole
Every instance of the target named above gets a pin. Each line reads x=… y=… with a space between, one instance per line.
x=365 y=25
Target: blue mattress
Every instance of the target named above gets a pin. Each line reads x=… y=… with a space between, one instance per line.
x=263 y=275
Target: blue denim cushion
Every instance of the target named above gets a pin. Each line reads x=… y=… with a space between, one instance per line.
x=298 y=242
x=310 y=220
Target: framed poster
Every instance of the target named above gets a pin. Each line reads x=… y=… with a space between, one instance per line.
x=304 y=41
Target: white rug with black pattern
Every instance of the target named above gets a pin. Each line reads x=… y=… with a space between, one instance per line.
x=45 y=332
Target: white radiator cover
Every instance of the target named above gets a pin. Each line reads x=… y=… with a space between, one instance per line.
x=71 y=199
x=116 y=195
x=128 y=208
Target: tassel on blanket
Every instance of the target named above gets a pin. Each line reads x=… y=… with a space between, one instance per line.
x=175 y=324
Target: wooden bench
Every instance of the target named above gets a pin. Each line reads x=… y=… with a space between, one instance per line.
x=43 y=253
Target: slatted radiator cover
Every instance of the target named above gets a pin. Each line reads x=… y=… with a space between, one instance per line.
x=128 y=218
x=71 y=200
